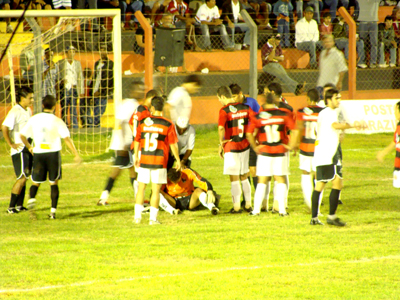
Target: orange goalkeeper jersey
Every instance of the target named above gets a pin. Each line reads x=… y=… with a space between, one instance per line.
x=185 y=187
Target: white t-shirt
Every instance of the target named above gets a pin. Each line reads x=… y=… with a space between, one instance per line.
x=181 y=103
x=306 y=31
x=327 y=141
x=186 y=140
x=204 y=13
x=47 y=130
x=16 y=120
x=124 y=114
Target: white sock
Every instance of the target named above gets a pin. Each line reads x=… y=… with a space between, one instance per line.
x=247 y=192
x=203 y=200
x=135 y=187
x=164 y=204
x=153 y=213
x=53 y=210
x=104 y=195
x=236 y=193
x=265 y=202
x=259 y=197
x=280 y=196
x=287 y=191
x=138 y=211
x=306 y=186
x=275 y=206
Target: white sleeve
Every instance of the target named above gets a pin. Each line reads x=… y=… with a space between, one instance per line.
x=126 y=110
x=192 y=138
x=316 y=32
x=9 y=121
x=63 y=129
x=173 y=97
x=27 y=130
x=216 y=13
x=201 y=13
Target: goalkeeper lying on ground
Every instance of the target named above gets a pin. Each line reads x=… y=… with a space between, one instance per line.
x=180 y=193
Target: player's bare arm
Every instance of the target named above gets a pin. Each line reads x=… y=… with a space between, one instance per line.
x=175 y=153
x=341 y=126
x=70 y=144
x=26 y=143
x=222 y=141
x=136 y=149
x=6 y=134
x=381 y=154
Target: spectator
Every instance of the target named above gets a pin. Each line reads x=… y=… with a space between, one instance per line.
x=103 y=84
x=332 y=65
x=263 y=7
x=326 y=27
x=307 y=35
x=231 y=10
x=57 y=4
x=209 y=18
x=387 y=42
x=316 y=5
x=396 y=27
x=5 y=5
x=341 y=33
x=283 y=9
x=130 y=6
x=47 y=5
x=86 y=102
x=49 y=74
x=156 y=6
x=368 y=19
x=27 y=63
x=138 y=44
x=271 y=55
x=70 y=85
x=92 y=4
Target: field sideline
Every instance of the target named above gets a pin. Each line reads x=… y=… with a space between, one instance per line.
x=93 y=252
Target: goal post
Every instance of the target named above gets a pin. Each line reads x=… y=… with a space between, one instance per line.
x=24 y=65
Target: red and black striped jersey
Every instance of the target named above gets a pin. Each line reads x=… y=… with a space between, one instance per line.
x=273 y=125
x=155 y=134
x=185 y=187
x=309 y=116
x=234 y=117
x=397 y=141
x=140 y=113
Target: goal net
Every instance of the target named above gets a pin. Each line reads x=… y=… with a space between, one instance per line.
x=73 y=55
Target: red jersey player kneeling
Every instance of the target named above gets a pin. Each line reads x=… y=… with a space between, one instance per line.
x=154 y=136
x=394 y=144
x=270 y=127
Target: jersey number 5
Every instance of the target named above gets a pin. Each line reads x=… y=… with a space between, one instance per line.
x=151 y=141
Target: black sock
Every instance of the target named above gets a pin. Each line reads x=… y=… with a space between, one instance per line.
x=255 y=182
x=333 y=201
x=110 y=184
x=55 y=193
x=33 y=191
x=132 y=182
x=21 y=197
x=13 y=200
x=314 y=203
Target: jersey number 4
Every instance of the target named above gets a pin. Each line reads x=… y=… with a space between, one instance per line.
x=151 y=141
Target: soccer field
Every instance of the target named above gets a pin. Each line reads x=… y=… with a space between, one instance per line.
x=92 y=252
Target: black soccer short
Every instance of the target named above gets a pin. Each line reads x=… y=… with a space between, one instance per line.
x=44 y=163
x=123 y=159
x=22 y=163
x=328 y=173
x=183 y=203
x=252 y=158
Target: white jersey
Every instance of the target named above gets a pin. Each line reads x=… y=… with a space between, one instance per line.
x=120 y=139
x=327 y=142
x=47 y=130
x=186 y=140
x=16 y=119
x=181 y=103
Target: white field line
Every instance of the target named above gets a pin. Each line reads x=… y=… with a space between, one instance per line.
x=166 y=275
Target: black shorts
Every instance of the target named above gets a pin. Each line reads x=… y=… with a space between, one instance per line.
x=183 y=203
x=22 y=163
x=123 y=159
x=328 y=173
x=44 y=163
x=252 y=158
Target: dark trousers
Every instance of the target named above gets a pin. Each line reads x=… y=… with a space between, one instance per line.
x=68 y=103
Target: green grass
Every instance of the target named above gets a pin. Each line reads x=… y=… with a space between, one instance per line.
x=93 y=252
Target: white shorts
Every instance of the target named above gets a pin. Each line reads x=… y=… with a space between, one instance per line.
x=236 y=163
x=270 y=166
x=146 y=176
x=396 y=179
x=307 y=163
